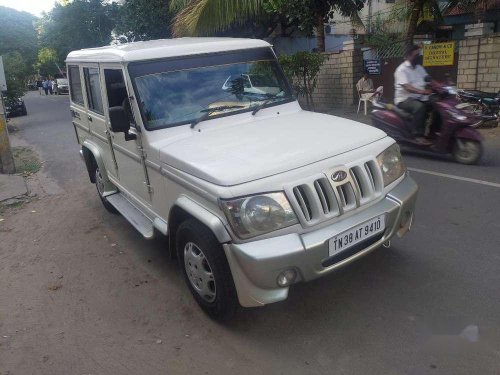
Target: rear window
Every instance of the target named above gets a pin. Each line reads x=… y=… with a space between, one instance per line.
x=75 y=84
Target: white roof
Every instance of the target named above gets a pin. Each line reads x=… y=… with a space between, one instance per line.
x=161 y=48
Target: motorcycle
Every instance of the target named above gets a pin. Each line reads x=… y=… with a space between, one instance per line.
x=479 y=103
x=450 y=130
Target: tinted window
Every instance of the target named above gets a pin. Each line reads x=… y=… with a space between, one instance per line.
x=75 y=85
x=93 y=89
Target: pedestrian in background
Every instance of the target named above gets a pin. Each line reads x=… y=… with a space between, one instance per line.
x=45 y=85
x=51 y=84
x=39 y=86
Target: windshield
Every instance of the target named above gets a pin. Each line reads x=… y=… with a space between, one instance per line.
x=174 y=98
x=62 y=81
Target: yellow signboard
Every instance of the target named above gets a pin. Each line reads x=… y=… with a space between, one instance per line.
x=439 y=54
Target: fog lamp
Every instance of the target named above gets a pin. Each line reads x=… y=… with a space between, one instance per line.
x=286 y=277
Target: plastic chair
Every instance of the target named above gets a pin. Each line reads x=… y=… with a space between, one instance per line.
x=374 y=96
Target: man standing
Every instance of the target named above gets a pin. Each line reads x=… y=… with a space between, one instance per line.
x=411 y=94
x=45 y=85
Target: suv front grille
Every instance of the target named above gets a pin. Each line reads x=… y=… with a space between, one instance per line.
x=320 y=198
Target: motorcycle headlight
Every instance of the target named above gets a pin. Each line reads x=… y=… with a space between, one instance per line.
x=258 y=214
x=391 y=164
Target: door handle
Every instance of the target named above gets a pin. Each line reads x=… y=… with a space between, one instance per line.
x=89 y=118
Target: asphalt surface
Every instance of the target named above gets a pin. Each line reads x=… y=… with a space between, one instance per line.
x=83 y=293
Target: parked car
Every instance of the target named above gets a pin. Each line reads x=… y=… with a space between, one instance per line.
x=61 y=86
x=254 y=193
x=15 y=107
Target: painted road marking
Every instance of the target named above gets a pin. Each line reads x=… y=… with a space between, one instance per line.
x=453 y=177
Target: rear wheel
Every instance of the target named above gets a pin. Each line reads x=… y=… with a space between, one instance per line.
x=466 y=151
x=206 y=271
x=99 y=183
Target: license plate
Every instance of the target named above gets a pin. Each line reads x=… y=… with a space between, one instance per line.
x=355 y=235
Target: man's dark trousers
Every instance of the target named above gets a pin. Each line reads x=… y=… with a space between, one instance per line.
x=418 y=110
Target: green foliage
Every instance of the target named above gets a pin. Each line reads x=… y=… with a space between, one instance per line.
x=16 y=71
x=144 y=20
x=46 y=64
x=76 y=25
x=302 y=69
x=208 y=17
x=17 y=33
x=310 y=15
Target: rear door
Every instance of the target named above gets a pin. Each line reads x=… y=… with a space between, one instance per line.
x=77 y=106
x=95 y=116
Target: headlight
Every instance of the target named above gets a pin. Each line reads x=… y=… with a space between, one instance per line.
x=259 y=214
x=456 y=115
x=391 y=164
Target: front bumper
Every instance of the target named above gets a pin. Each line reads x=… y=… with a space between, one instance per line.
x=256 y=265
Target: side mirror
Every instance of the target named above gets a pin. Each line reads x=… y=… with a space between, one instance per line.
x=120 y=122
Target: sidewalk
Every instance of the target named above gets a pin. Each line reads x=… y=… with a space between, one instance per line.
x=11 y=186
x=350 y=113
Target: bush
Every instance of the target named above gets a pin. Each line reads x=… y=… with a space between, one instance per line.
x=302 y=69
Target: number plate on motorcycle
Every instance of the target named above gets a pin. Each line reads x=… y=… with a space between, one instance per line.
x=355 y=235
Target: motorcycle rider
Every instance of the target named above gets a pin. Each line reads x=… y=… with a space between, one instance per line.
x=410 y=92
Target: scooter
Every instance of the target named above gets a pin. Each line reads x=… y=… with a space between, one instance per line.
x=450 y=130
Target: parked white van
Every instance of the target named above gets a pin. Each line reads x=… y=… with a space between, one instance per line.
x=254 y=193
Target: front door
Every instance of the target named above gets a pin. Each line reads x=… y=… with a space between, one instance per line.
x=131 y=172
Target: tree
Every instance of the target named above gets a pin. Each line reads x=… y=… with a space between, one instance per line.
x=207 y=17
x=46 y=64
x=77 y=24
x=312 y=14
x=433 y=7
x=16 y=73
x=302 y=69
x=144 y=20
x=17 y=33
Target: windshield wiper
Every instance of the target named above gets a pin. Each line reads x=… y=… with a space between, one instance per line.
x=264 y=103
x=209 y=111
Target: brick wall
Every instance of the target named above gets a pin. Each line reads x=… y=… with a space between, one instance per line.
x=336 y=81
x=479 y=69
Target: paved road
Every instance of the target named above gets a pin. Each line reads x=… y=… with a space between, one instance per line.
x=83 y=293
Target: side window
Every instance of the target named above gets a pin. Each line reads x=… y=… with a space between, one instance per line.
x=75 y=84
x=117 y=91
x=94 y=97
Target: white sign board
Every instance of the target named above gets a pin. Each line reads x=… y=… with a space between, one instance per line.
x=3 y=82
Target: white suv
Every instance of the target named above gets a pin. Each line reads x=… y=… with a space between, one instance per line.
x=254 y=193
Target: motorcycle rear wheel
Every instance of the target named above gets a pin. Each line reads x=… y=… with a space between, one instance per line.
x=466 y=151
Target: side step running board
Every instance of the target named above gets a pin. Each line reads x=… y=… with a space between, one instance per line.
x=135 y=217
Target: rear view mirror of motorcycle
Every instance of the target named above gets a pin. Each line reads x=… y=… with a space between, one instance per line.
x=428 y=79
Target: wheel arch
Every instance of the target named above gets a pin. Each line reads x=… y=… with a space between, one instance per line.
x=185 y=208
x=93 y=158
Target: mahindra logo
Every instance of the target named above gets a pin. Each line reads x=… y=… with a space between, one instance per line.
x=339 y=176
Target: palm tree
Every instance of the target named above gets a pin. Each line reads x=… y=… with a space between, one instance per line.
x=434 y=7
x=208 y=17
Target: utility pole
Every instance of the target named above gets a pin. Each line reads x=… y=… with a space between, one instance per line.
x=6 y=159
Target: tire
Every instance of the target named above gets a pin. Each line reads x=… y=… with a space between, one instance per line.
x=100 y=189
x=200 y=254
x=466 y=151
x=24 y=111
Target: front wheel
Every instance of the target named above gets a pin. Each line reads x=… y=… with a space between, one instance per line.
x=206 y=270
x=466 y=151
